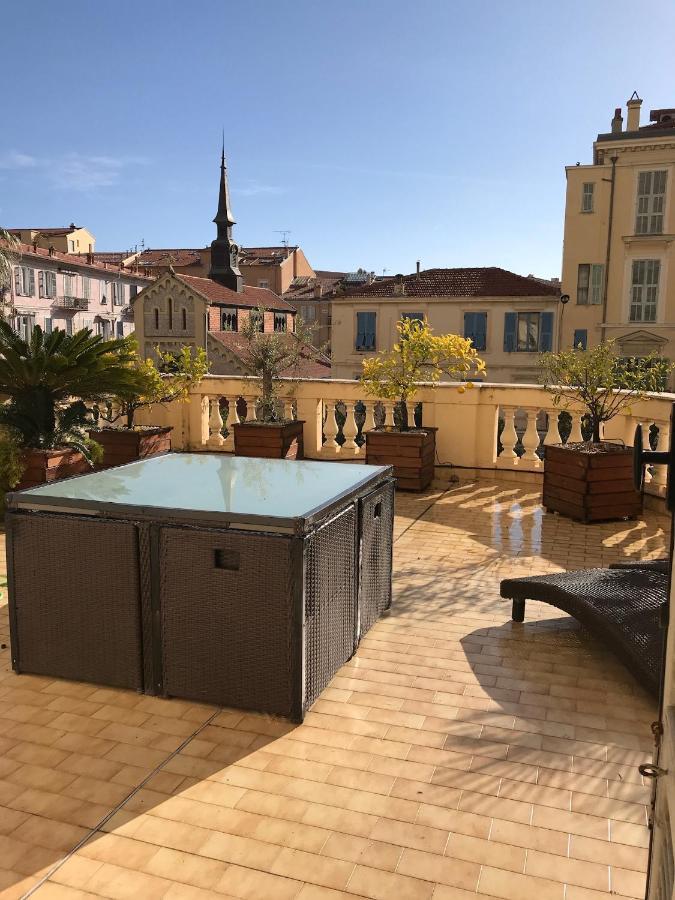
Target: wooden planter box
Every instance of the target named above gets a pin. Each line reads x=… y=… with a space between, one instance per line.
x=591 y=487
x=122 y=445
x=272 y=440
x=50 y=465
x=411 y=453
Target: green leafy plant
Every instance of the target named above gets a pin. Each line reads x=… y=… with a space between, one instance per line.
x=12 y=465
x=49 y=378
x=169 y=378
x=271 y=355
x=600 y=381
x=419 y=355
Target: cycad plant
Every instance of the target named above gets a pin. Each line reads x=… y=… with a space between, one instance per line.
x=49 y=378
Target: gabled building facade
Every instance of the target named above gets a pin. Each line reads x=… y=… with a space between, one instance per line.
x=620 y=238
x=510 y=318
x=179 y=310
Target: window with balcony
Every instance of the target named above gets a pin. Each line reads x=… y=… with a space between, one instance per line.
x=590 y=284
x=528 y=332
x=228 y=320
x=644 y=290
x=587 y=191
x=651 y=202
x=24 y=281
x=475 y=329
x=280 y=322
x=365 y=330
x=47 y=284
x=69 y=285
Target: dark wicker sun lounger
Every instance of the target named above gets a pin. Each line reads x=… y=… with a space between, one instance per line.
x=622 y=606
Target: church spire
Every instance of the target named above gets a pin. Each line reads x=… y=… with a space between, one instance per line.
x=224 y=251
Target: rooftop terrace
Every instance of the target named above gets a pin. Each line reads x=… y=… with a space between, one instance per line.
x=457 y=754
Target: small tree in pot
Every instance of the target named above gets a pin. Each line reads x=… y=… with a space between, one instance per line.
x=419 y=355
x=158 y=382
x=271 y=356
x=592 y=480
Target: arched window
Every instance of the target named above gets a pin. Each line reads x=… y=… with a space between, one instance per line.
x=156 y=319
x=184 y=314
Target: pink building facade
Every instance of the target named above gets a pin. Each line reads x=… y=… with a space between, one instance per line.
x=68 y=291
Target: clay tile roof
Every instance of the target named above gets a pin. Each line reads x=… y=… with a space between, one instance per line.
x=302 y=288
x=47 y=232
x=26 y=251
x=177 y=256
x=255 y=256
x=309 y=367
x=251 y=297
x=470 y=282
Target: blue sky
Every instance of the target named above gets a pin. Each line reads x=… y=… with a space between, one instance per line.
x=378 y=131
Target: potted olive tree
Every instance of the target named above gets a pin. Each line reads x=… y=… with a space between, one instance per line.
x=271 y=356
x=419 y=355
x=155 y=383
x=48 y=380
x=592 y=480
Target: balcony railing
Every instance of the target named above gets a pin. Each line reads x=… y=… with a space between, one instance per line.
x=492 y=426
x=68 y=302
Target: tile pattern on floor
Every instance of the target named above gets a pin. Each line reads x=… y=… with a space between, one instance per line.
x=457 y=755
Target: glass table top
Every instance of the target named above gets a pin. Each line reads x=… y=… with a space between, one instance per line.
x=209 y=483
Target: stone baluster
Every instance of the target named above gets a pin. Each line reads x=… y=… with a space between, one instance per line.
x=575 y=434
x=216 y=438
x=389 y=413
x=369 y=424
x=232 y=420
x=350 y=430
x=552 y=432
x=531 y=438
x=251 y=414
x=660 y=473
x=509 y=437
x=330 y=430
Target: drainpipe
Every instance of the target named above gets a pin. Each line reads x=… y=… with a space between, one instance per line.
x=612 y=181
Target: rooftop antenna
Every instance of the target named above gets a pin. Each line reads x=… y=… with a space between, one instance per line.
x=284 y=232
x=384 y=271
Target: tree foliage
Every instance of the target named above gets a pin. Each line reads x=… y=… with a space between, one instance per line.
x=600 y=381
x=49 y=378
x=168 y=379
x=420 y=355
x=271 y=355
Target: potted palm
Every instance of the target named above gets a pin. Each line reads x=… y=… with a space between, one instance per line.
x=592 y=480
x=48 y=380
x=270 y=356
x=158 y=382
x=419 y=355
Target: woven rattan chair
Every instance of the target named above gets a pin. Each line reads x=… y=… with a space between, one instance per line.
x=622 y=606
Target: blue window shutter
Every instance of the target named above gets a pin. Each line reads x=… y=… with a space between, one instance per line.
x=510 y=325
x=480 y=331
x=580 y=338
x=546 y=332
x=469 y=325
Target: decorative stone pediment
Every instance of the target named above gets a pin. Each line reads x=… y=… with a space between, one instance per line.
x=640 y=343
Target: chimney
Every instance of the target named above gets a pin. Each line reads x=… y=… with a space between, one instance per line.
x=51 y=250
x=318 y=290
x=35 y=243
x=633 y=105
x=90 y=255
x=418 y=268
x=399 y=286
x=617 y=121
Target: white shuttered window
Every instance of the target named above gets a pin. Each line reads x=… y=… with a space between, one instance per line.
x=644 y=290
x=651 y=202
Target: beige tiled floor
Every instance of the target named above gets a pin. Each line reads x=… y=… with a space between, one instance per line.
x=456 y=754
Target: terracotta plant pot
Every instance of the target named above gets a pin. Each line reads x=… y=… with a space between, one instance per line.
x=43 y=466
x=591 y=485
x=124 y=445
x=271 y=440
x=412 y=454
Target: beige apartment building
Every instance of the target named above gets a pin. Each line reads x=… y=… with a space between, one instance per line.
x=70 y=239
x=510 y=318
x=619 y=238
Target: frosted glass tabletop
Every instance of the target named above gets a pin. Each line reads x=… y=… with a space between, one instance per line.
x=209 y=483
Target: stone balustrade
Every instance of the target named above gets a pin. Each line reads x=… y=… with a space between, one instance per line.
x=488 y=427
